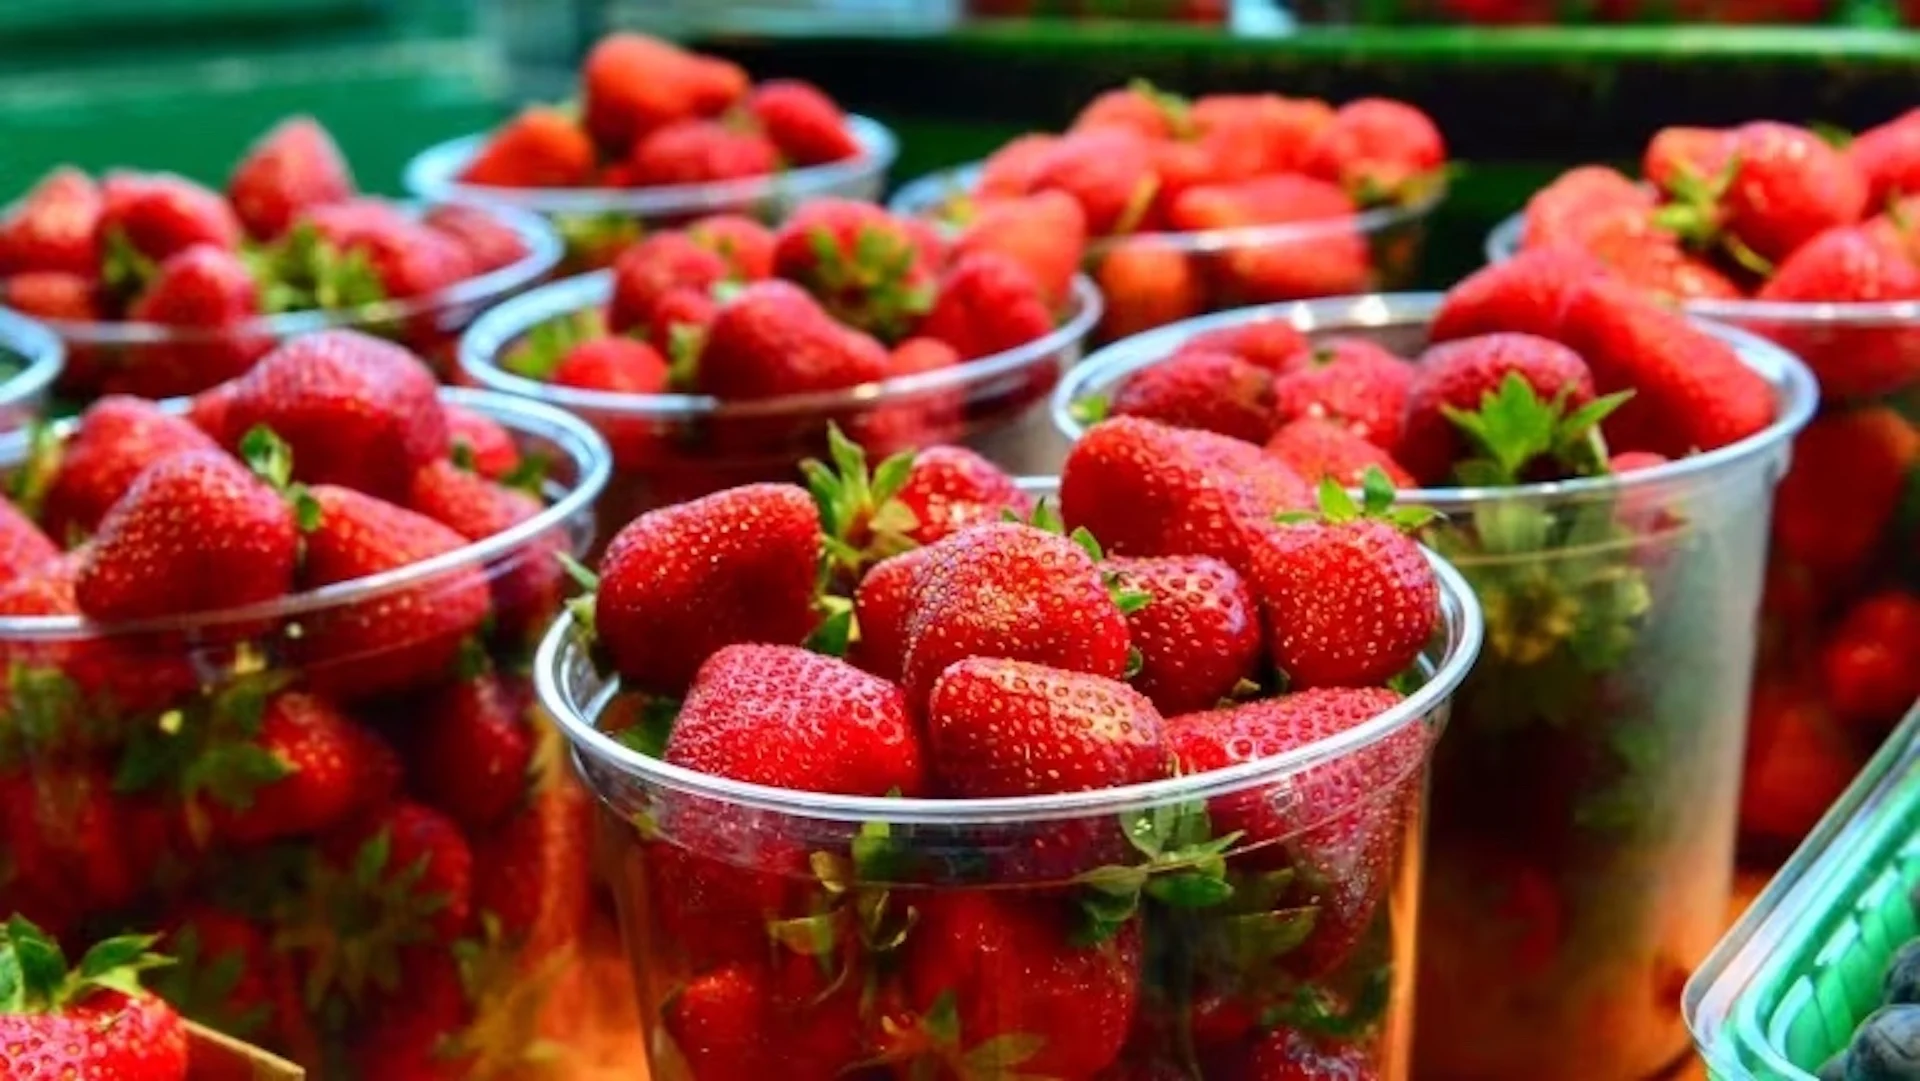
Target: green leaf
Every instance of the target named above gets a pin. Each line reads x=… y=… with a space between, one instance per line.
x=942 y=1020
x=1335 y=504
x=1191 y=889
x=1261 y=937
x=1136 y=661
x=994 y=1057
x=579 y=572
x=461 y=455
x=808 y=936
x=269 y=456
x=37 y=964
x=1130 y=601
x=1086 y=542
x=1090 y=409
x=530 y=474
x=878 y=856
x=1114 y=879
x=649 y=734
x=835 y=630
x=686 y=343
x=1378 y=491
x=232 y=773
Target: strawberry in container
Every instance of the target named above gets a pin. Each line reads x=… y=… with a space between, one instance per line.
x=660 y=136
x=908 y=771
x=722 y=352
x=1604 y=468
x=159 y=286
x=1194 y=205
x=1776 y=229
x=266 y=691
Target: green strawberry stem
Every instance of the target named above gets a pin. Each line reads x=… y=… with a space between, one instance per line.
x=1513 y=430
x=1377 y=502
x=861 y=521
x=548 y=343
x=125 y=270
x=34 y=977
x=29 y=485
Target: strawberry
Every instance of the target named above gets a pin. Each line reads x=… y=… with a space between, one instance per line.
x=479 y=441
x=1350 y=598
x=915 y=498
x=532 y=872
x=490 y=243
x=987 y=303
x=356 y=411
x=1139 y=108
x=1002 y=966
x=293 y=167
x=1012 y=591
x=472 y=748
x=380 y=253
x=737 y=1024
x=1283 y=129
x=1045 y=233
x=680 y=582
x=1888 y=158
x=715 y=908
x=1460 y=376
x=1198 y=634
x=1578 y=201
x=1845 y=264
x=1267 y=200
x=1146 y=283
x=1333 y=263
x=1108 y=172
x=1151 y=490
x=951 y=488
x=881 y=607
x=313 y=768
x=1799 y=761
x=402 y=636
x=195 y=533
x=745 y=245
x=621 y=365
x=773 y=340
x=1010 y=170
x=94 y=1022
x=1771 y=188
x=159 y=214
x=1284 y=1054
x=53 y=295
x=527 y=582
x=633 y=84
x=908 y=420
x=1273 y=344
x=655 y=267
x=1214 y=392
x=66 y=827
x=1352 y=382
x=1322 y=450
x=1378 y=149
x=204 y=288
x=804 y=123
x=117 y=439
x=700 y=152
x=1691 y=391
x=428 y=860
x=1678 y=152
x=999 y=727
x=23 y=548
x=226 y=975
x=1527 y=294
x=133 y=675
x=1834 y=506
x=1867 y=659
x=868 y=268
x=412 y=1033
x=54 y=227
x=541 y=147
x=1640 y=252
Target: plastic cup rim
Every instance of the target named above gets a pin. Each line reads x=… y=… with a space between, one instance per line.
x=35 y=341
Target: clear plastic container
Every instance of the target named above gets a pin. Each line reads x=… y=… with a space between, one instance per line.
x=30 y=359
x=982 y=899
x=1581 y=842
x=152 y=360
x=1192 y=273
x=1785 y=989
x=596 y=221
x=672 y=447
x=337 y=925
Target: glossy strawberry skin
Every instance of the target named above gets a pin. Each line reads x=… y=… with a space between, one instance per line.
x=1460 y=374
x=701 y=152
x=987 y=303
x=882 y=605
x=55 y=227
x=1848 y=264
x=742 y=1022
x=160 y=214
x=1199 y=635
x=472 y=748
x=1376 y=146
x=999 y=727
x=633 y=84
x=1046 y=233
x=294 y=166
x=331 y=767
x=1273 y=344
x=1352 y=382
x=110 y=1036
x=1527 y=294
x=1323 y=450
x=1351 y=604
x=118 y=437
x=539 y=148
x=1789 y=187
x=647 y=271
x=950 y=488
x=804 y=123
x=1213 y=392
x=774 y=340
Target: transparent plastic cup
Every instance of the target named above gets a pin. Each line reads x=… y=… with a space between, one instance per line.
x=136 y=779
x=597 y=222
x=1841 y=539
x=672 y=447
x=1580 y=848
x=974 y=905
x=1149 y=279
x=30 y=359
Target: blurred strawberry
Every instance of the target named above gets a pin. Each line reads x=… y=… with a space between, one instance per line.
x=307 y=768
x=1266 y=133
x=1527 y=294
x=53 y=295
x=54 y=227
x=1888 y=158
x=1578 y=201
x=909 y=420
x=1850 y=264
x=633 y=84
x=868 y=268
x=117 y=439
x=527 y=582
x=1379 y=150
x=159 y=214
x=701 y=152
x=1146 y=283
x=84 y=678
x=541 y=147
x=226 y=975
x=403 y=257
x=1325 y=450
x=1273 y=344
x=621 y=365
x=1139 y=108
x=477 y=440
x=412 y=1032
x=208 y=290
x=1108 y=172
x=23 y=548
x=472 y=748
x=774 y=340
x=647 y=272
x=987 y=303
x=1215 y=392
x=744 y=244
x=1676 y=153
x=1046 y=233
x=805 y=124
x=489 y=242
x=1010 y=170
x=1773 y=188
x=532 y=871
x=1798 y=763
x=1352 y=382
x=1867 y=661
x=291 y=168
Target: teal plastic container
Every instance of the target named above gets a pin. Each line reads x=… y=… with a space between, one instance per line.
x=1783 y=991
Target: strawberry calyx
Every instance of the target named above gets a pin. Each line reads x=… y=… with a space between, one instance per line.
x=1089 y=410
x=35 y=977
x=1257 y=927
x=271 y=459
x=1185 y=868
x=49 y=714
x=200 y=985
x=592 y=238
x=353 y=921
x=581 y=607
x=1319 y=1012
x=1377 y=503
x=1514 y=432
x=125 y=270
x=1139 y=202
x=207 y=750
x=538 y=355
x=306 y=271
x=29 y=485
x=685 y=344
x=859 y=903
x=1174 y=108
x=509 y=993
x=932 y=1046
x=861 y=521
x=873 y=285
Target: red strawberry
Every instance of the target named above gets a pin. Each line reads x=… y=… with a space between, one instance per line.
x=1012 y=591
x=357 y=411
x=804 y=123
x=679 y=583
x=541 y=147
x=908 y=420
x=159 y=214
x=136 y=675
x=658 y=265
x=92 y=1022
x=881 y=608
x=1147 y=283
x=1284 y=1054
x=412 y=1033
x=54 y=227
x=951 y=488
x=293 y=167
x=23 y=548
x=701 y=152
x=1323 y=450
x=1214 y=392
x=1526 y=294
x=472 y=748
x=322 y=766
x=1010 y=170
x=226 y=975
x=1461 y=375
x=1138 y=107
x=1012 y=969
x=1000 y=727
x=1867 y=662
x=1691 y=391
x=1841 y=265
x=868 y=268
x=1108 y=172
x=1046 y=233
x=117 y=439
x=400 y=637
x=633 y=84
x=1352 y=382
x=428 y=860
x=987 y=303
x=745 y=245
x=1788 y=186
x=1888 y=158
x=478 y=440
x=1268 y=200
x=1678 y=152
x=1350 y=599
x=1839 y=496
x=1273 y=344
x=195 y=533
x=404 y=256
x=1378 y=149
x=1580 y=200
x=66 y=829
x=716 y=908
x=1150 y=490
x=1283 y=129
x=1799 y=761
x=533 y=873
x=737 y=1024
x=773 y=340
x=622 y=365
x=1198 y=634
x=1640 y=252
x=53 y=295
x=527 y=582
x=490 y=243
x=208 y=289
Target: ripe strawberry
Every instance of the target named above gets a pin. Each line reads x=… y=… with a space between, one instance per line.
x=1788 y=186
x=987 y=303
x=53 y=295
x=701 y=152
x=1378 y=149
x=745 y=245
x=1799 y=761
x=1011 y=968
x=1335 y=263
x=868 y=268
x=1850 y=264
x=1866 y=662
x=658 y=265
x=804 y=123
x=1147 y=283
x=397 y=638
x=1578 y=201
x=404 y=257
x=1108 y=172
x=67 y=829
x=1284 y=1054
x=137 y=675
x=527 y=582
x=1150 y=490
x=773 y=340
x=737 y=1024
x=1691 y=390
x=951 y=488
x=541 y=147
x=1267 y=200
x=1638 y=251
x=680 y=582
x=1199 y=634
x=1323 y=450
x=1045 y=233
x=413 y=1033
x=23 y=548
x=1462 y=375
x=1282 y=129
x=881 y=607
x=490 y=243
x=633 y=84
x=1834 y=506
x=117 y=439
x=356 y=411
x=1012 y=591
x=159 y=214
x=428 y=861
x=93 y=1022
x=1273 y=344
x=314 y=767
x=472 y=747
x=716 y=908
x=1526 y=294
x=54 y=227
x=1888 y=158
x=533 y=871
x=622 y=365
x=909 y=420
x=195 y=533
x=1010 y=170
x=1140 y=108
x=1352 y=382
x=1214 y=392
x=1675 y=153
x=1000 y=727
x=293 y=167
x=204 y=288
x=475 y=439
x=226 y=975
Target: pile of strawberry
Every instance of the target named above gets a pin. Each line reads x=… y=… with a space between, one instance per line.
x=841 y=295
x=653 y=115
x=290 y=234
x=93 y=1020
x=1143 y=161
x=326 y=804
x=927 y=631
